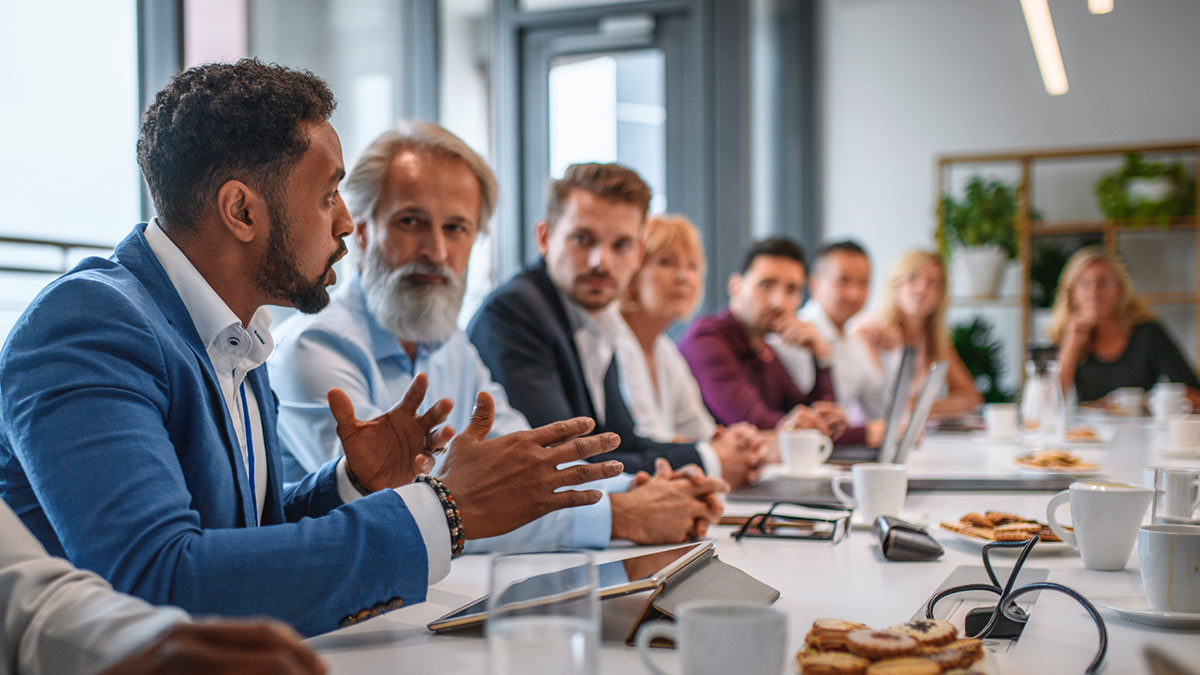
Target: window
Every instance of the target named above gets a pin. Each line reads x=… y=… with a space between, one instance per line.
x=70 y=111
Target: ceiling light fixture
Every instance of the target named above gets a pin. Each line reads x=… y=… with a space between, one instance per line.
x=1100 y=6
x=1045 y=45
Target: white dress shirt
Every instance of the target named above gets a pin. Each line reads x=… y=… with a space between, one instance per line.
x=57 y=619
x=234 y=351
x=672 y=410
x=860 y=386
x=594 y=340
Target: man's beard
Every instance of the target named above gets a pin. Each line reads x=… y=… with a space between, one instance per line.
x=279 y=276
x=412 y=311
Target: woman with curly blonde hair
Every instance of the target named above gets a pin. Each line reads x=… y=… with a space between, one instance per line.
x=912 y=311
x=1107 y=336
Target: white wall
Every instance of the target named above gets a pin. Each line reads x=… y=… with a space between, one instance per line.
x=903 y=81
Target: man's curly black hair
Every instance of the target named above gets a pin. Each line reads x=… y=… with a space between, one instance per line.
x=219 y=122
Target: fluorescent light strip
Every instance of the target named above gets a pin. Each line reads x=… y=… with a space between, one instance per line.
x=1100 y=6
x=1045 y=45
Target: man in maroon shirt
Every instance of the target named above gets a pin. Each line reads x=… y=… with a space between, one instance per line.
x=740 y=377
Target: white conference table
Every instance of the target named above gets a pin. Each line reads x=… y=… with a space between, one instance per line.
x=849 y=580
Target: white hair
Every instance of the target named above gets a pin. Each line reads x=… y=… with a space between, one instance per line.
x=364 y=183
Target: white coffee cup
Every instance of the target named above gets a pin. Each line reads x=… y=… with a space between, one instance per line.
x=1170 y=559
x=1001 y=420
x=1106 y=517
x=720 y=637
x=1128 y=400
x=1168 y=399
x=1180 y=493
x=1183 y=431
x=879 y=490
x=803 y=450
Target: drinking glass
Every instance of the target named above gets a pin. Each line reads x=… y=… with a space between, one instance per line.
x=543 y=614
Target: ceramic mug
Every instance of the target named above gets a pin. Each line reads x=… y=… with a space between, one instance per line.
x=1183 y=431
x=1001 y=420
x=715 y=637
x=803 y=450
x=879 y=490
x=1106 y=517
x=1170 y=559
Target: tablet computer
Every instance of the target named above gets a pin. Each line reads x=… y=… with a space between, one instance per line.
x=614 y=578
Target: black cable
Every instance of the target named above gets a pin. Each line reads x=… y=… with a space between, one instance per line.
x=1007 y=604
x=1094 y=666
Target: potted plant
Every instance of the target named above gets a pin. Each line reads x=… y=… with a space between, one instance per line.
x=1142 y=192
x=982 y=353
x=979 y=235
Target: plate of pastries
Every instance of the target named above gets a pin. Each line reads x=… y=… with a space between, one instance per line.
x=918 y=647
x=977 y=529
x=1056 y=462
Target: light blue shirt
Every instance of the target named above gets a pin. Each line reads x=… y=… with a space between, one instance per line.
x=344 y=347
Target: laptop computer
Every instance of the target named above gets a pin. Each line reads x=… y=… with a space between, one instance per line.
x=893 y=412
x=817 y=489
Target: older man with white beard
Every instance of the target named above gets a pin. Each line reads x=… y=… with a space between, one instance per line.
x=419 y=196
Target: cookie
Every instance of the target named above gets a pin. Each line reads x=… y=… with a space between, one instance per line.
x=830 y=634
x=995 y=518
x=831 y=663
x=879 y=644
x=927 y=632
x=947 y=657
x=971 y=645
x=909 y=665
x=1015 y=531
x=976 y=519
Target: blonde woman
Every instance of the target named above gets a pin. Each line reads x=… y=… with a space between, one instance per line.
x=912 y=311
x=1107 y=336
x=656 y=382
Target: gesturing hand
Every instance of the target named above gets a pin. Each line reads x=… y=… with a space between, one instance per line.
x=225 y=648
x=503 y=483
x=390 y=450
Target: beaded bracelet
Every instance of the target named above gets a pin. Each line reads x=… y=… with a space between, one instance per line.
x=453 y=516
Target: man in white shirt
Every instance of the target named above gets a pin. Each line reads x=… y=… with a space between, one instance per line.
x=419 y=196
x=838 y=288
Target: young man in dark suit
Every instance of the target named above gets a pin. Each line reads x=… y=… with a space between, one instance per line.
x=545 y=335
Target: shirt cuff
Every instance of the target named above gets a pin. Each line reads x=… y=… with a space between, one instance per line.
x=591 y=525
x=426 y=510
x=346 y=489
x=709 y=460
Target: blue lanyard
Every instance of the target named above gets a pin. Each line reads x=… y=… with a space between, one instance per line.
x=249 y=453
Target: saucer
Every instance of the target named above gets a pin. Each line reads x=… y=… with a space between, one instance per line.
x=821 y=471
x=915 y=517
x=1133 y=606
x=1180 y=450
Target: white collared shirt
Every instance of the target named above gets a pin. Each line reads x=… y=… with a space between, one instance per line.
x=593 y=333
x=233 y=350
x=857 y=382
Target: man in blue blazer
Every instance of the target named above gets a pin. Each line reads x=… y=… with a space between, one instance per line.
x=138 y=429
x=546 y=334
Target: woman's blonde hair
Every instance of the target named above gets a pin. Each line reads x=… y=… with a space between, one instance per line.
x=662 y=232
x=937 y=336
x=1131 y=309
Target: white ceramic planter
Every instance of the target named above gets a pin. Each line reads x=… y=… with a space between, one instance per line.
x=976 y=271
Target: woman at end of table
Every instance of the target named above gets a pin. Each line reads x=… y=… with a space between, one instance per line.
x=1107 y=336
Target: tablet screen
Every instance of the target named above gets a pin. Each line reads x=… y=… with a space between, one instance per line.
x=613 y=578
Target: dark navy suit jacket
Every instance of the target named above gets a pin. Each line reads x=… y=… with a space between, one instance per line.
x=117 y=453
x=525 y=339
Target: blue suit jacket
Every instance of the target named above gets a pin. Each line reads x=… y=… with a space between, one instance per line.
x=524 y=337
x=116 y=451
